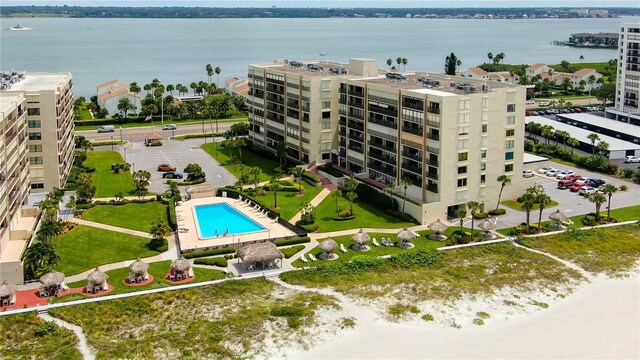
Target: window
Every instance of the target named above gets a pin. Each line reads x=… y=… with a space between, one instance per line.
x=326 y=104
x=508 y=155
x=511 y=107
x=34 y=124
x=509 y=144
x=462 y=182
x=326 y=114
x=463 y=144
x=37 y=186
x=35 y=136
x=511 y=132
x=484 y=128
x=463 y=156
x=508 y=168
x=462 y=169
x=483 y=166
x=35 y=160
x=483 y=154
x=326 y=125
x=35 y=148
x=463 y=130
x=511 y=120
x=33 y=111
x=483 y=179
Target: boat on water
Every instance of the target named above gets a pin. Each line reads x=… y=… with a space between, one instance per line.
x=323 y=53
x=19 y=28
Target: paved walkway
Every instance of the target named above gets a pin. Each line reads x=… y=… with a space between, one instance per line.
x=109 y=227
x=315 y=202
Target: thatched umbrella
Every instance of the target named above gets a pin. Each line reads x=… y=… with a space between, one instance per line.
x=360 y=238
x=181 y=265
x=488 y=227
x=328 y=246
x=6 y=290
x=138 y=267
x=260 y=253
x=439 y=227
x=97 y=277
x=406 y=235
x=53 y=278
x=558 y=217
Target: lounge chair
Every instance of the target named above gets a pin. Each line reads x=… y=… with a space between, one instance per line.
x=375 y=242
x=89 y=289
x=240 y=197
x=313 y=258
x=303 y=258
x=172 y=277
x=276 y=219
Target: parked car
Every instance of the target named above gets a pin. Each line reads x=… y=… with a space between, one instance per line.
x=530 y=102
x=535 y=113
x=577 y=110
x=564 y=174
x=528 y=113
x=166 y=167
x=552 y=172
x=527 y=173
x=565 y=184
x=574 y=177
x=172 y=175
x=587 y=190
x=631 y=159
x=543 y=103
x=106 y=128
x=169 y=127
x=576 y=186
x=544 y=170
x=595 y=182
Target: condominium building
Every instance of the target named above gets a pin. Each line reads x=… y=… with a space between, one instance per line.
x=15 y=223
x=627 y=99
x=50 y=126
x=448 y=137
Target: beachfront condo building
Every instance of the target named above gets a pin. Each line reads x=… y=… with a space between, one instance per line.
x=627 y=101
x=50 y=126
x=16 y=223
x=449 y=138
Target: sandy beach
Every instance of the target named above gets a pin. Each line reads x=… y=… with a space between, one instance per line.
x=600 y=320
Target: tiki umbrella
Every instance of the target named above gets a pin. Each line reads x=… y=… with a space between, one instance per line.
x=181 y=265
x=406 y=235
x=439 y=227
x=6 y=290
x=328 y=246
x=360 y=238
x=487 y=226
x=97 y=277
x=138 y=267
x=558 y=217
x=53 y=278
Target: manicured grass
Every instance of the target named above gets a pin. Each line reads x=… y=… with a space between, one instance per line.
x=159 y=270
x=130 y=216
x=613 y=250
x=19 y=341
x=479 y=270
x=288 y=202
x=107 y=183
x=157 y=123
x=367 y=216
x=224 y=321
x=421 y=243
x=292 y=250
x=86 y=247
x=250 y=160
x=518 y=206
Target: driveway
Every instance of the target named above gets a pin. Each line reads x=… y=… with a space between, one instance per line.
x=178 y=153
x=571 y=204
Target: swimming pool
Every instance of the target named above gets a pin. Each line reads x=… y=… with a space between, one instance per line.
x=214 y=219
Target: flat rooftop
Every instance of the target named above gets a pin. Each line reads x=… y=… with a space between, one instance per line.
x=40 y=81
x=532 y=158
x=603 y=122
x=8 y=99
x=581 y=134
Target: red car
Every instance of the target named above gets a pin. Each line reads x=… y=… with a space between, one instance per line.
x=574 y=177
x=577 y=185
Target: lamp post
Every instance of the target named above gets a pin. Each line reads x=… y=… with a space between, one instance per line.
x=111 y=142
x=133 y=165
x=121 y=134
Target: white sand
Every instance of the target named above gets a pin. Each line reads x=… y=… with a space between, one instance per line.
x=600 y=320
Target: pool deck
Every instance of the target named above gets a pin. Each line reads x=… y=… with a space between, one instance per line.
x=190 y=240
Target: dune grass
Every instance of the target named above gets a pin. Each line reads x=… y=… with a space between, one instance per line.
x=107 y=183
x=227 y=320
x=129 y=216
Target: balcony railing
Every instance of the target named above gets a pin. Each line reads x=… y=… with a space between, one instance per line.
x=382 y=146
x=412 y=167
x=412 y=130
x=356 y=125
x=415 y=156
x=382 y=157
x=385 y=170
x=389 y=124
x=434 y=137
x=433 y=110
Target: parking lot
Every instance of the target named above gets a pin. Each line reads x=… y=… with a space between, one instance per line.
x=179 y=154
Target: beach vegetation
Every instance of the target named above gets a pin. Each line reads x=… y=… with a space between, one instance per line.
x=478 y=322
x=427 y=317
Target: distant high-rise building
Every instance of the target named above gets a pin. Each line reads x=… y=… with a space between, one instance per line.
x=627 y=99
x=449 y=138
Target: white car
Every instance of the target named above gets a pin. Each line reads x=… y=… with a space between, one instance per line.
x=527 y=173
x=632 y=159
x=564 y=174
x=544 y=170
x=588 y=190
x=530 y=102
x=552 y=172
x=543 y=103
x=169 y=127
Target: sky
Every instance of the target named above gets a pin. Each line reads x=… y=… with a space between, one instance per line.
x=335 y=3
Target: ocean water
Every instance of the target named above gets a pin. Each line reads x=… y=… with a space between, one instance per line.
x=177 y=50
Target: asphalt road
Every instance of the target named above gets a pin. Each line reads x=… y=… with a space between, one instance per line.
x=138 y=134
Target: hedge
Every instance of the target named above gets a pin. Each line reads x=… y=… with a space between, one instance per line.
x=292 y=241
x=187 y=183
x=311 y=176
x=329 y=169
x=199 y=254
x=215 y=261
x=171 y=214
x=307 y=227
x=497 y=212
x=480 y=216
x=193 y=136
x=367 y=193
x=159 y=245
x=343 y=218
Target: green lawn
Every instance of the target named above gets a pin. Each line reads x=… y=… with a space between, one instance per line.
x=130 y=216
x=158 y=124
x=288 y=202
x=367 y=216
x=518 y=206
x=19 y=341
x=223 y=156
x=107 y=183
x=86 y=247
x=613 y=250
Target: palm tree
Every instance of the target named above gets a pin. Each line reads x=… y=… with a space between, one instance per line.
x=573 y=142
x=39 y=258
x=609 y=189
x=209 y=70
x=528 y=202
x=404 y=64
x=135 y=89
x=337 y=194
x=490 y=56
x=351 y=185
x=563 y=135
x=71 y=204
x=48 y=230
x=170 y=89
x=603 y=146
x=389 y=62
x=158 y=229
x=593 y=137
x=240 y=143
x=125 y=105
x=533 y=128
x=255 y=172
x=399 y=61
x=504 y=180
x=275 y=185
x=297 y=173
x=543 y=201
x=193 y=87
x=566 y=66
x=217 y=70
x=473 y=207
x=461 y=214
x=405 y=184
x=451 y=64
x=597 y=199
x=566 y=84
x=547 y=133
x=591 y=81
x=581 y=58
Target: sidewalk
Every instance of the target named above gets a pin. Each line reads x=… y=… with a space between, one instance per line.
x=109 y=227
x=315 y=202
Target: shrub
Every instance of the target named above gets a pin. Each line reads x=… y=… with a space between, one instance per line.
x=329 y=169
x=159 y=245
x=400 y=215
x=292 y=241
x=416 y=257
x=478 y=322
x=628 y=173
x=199 y=254
x=345 y=213
x=357 y=265
x=624 y=188
x=497 y=212
x=171 y=215
x=307 y=227
x=214 y=261
x=193 y=182
x=589 y=220
x=480 y=216
x=47 y=328
x=311 y=176
x=286 y=311
x=427 y=317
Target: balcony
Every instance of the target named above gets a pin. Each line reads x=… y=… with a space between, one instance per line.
x=432 y=175
x=432 y=188
x=412 y=166
x=433 y=110
x=434 y=137
x=435 y=124
x=412 y=130
x=391 y=171
x=382 y=157
x=356 y=125
x=389 y=124
x=382 y=145
x=356 y=136
x=412 y=155
x=356 y=148
x=385 y=111
x=415 y=179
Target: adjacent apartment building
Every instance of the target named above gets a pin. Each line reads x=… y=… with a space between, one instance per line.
x=627 y=99
x=449 y=137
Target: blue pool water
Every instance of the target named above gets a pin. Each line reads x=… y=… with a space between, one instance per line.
x=223 y=217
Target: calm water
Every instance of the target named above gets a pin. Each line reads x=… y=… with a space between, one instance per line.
x=222 y=217
x=176 y=51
